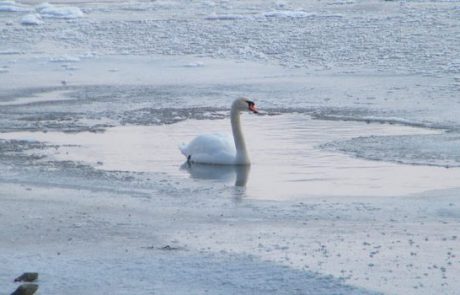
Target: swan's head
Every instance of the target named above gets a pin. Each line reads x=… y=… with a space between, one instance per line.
x=243 y=104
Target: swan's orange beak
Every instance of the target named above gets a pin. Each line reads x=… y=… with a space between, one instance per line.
x=252 y=108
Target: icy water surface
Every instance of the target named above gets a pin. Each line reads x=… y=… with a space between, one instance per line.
x=288 y=161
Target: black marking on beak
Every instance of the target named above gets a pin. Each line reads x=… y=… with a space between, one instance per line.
x=252 y=106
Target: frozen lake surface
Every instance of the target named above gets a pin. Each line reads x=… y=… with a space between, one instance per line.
x=354 y=183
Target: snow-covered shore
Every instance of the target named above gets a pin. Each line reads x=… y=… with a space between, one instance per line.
x=93 y=240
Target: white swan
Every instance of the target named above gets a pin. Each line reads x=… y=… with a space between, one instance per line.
x=221 y=149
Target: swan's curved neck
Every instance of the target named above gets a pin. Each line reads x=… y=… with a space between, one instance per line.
x=242 y=156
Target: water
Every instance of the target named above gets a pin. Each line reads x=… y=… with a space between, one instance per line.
x=285 y=165
x=144 y=91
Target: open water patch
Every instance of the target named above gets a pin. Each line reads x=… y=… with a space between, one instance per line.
x=287 y=154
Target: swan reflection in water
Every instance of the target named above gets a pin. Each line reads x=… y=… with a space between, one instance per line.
x=221 y=173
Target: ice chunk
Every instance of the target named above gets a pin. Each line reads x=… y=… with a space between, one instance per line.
x=287 y=13
x=65 y=58
x=31 y=19
x=63 y=12
x=12 y=6
x=43 y=6
x=344 y=2
x=194 y=65
x=224 y=17
x=137 y=6
x=281 y=4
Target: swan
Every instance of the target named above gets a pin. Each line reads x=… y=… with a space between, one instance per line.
x=220 y=149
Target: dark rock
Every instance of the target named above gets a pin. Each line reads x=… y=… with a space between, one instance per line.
x=27 y=277
x=26 y=289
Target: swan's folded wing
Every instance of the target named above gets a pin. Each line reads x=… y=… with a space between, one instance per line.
x=210 y=148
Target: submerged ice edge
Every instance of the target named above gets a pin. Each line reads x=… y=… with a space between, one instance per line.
x=384 y=120
x=439 y=150
x=164 y=112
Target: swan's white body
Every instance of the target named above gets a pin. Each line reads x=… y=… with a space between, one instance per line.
x=221 y=149
x=211 y=149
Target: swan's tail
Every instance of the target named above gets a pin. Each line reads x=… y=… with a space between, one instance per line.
x=183 y=149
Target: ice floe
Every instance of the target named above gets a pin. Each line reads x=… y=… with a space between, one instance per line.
x=287 y=13
x=344 y=2
x=63 y=12
x=31 y=19
x=44 y=10
x=224 y=17
x=137 y=6
x=12 y=6
x=65 y=58
x=194 y=65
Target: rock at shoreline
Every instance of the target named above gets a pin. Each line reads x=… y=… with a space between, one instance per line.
x=27 y=277
x=26 y=289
